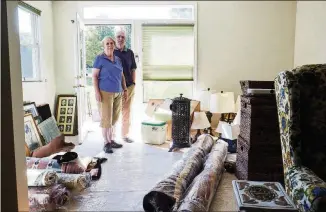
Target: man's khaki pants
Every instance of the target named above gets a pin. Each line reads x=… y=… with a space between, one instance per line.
x=126 y=107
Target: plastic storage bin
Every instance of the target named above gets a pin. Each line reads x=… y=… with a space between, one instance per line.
x=153 y=132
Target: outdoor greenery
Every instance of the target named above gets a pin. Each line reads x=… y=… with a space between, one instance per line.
x=94 y=36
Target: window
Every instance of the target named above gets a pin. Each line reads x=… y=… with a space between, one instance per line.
x=146 y=12
x=168 y=59
x=29 y=35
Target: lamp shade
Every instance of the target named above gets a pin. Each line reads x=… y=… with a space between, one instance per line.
x=237 y=104
x=204 y=98
x=236 y=120
x=227 y=130
x=200 y=121
x=222 y=102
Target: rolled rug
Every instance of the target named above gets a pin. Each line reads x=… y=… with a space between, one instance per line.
x=58 y=194
x=204 y=141
x=169 y=191
x=41 y=177
x=200 y=193
x=40 y=202
x=42 y=163
x=75 y=181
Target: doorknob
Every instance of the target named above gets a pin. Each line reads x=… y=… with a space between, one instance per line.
x=79 y=86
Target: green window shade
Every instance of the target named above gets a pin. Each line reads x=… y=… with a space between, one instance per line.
x=29 y=8
x=168 y=53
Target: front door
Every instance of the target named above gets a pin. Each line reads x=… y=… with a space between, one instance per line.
x=80 y=78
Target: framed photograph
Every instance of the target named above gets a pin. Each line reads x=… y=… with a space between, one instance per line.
x=32 y=135
x=31 y=108
x=66 y=114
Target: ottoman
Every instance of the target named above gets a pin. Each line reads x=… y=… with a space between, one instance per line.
x=261 y=196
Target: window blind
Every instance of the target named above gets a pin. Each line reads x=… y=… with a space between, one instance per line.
x=168 y=52
x=29 y=7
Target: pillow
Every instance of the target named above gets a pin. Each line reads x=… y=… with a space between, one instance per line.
x=49 y=129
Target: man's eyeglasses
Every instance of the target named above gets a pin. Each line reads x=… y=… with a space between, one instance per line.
x=120 y=36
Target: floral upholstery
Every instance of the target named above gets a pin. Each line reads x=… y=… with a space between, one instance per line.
x=301 y=100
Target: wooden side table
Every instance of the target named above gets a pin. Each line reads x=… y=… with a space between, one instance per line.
x=261 y=196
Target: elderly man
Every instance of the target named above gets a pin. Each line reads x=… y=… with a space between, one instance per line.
x=129 y=66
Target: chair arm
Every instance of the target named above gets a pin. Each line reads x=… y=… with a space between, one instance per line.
x=306 y=188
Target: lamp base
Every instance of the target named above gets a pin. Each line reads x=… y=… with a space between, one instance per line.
x=209 y=117
x=196 y=136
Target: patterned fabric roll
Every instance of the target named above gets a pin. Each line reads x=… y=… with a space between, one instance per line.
x=171 y=189
x=40 y=202
x=75 y=181
x=39 y=177
x=41 y=163
x=200 y=193
x=58 y=194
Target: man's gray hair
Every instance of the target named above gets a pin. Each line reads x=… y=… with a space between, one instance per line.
x=108 y=37
x=120 y=31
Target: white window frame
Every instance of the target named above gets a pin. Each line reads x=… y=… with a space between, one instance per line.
x=36 y=30
x=137 y=24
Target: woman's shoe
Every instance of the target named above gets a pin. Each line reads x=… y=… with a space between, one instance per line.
x=115 y=144
x=108 y=148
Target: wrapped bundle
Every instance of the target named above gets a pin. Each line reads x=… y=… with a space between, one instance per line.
x=58 y=194
x=42 y=163
x=41 y=177
x=169 y=191
x=75 y=181
x=200 y=193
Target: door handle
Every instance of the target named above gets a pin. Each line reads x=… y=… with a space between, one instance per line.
x=79 y=86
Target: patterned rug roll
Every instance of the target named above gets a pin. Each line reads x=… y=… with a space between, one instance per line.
x=170 y=190
x=41 y=163
x=53 y=197
x=40 y=202
x=200 y=193
x=75 y=181
x=41 y=177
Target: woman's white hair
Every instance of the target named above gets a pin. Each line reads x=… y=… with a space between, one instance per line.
x=108 y=37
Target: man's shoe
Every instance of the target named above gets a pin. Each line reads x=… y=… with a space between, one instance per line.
x=128 y=140
x=115 y=144
x=108 y=148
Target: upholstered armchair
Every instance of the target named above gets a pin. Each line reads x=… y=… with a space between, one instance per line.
x=301 y=101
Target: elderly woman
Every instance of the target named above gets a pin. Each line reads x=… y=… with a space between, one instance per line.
x=109 y=83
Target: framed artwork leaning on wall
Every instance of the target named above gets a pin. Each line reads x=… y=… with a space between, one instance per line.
x=32 y=136
x=66 y=114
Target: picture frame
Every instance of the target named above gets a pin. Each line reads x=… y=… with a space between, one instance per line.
x=32 y=135
x=31 y=108
x=66 y=114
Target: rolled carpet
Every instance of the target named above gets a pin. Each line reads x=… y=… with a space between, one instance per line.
x=75 y=181
x=42 y=163
x=41 y=177
x=170 y=190
x=200 y=193
x=48 y=198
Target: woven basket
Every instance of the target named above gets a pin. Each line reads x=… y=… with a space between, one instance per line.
x=259 y=130
x=245 y=84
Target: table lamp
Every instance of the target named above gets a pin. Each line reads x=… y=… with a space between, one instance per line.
x=222 y=102
x=200 y=121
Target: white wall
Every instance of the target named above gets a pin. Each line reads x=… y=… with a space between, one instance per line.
x=43 y=92
x=243 y=41
x=310 y=36
x=236 y=41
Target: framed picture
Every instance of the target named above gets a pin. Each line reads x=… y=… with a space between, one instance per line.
x=66 y=114
x=32 y=135
x=31 y=108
